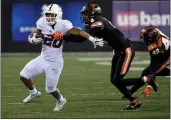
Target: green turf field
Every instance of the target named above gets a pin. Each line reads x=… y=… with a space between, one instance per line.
x=85 y=85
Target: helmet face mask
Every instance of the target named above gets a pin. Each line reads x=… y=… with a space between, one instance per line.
x=50 y=17
x=85 y=17
x=52 y=13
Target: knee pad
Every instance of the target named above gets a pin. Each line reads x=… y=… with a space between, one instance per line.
x=50 y=89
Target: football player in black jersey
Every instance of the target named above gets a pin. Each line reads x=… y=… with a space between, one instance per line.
x=159 y=48
x=98 y=26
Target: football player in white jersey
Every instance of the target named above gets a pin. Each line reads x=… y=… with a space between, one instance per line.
x=50 y=29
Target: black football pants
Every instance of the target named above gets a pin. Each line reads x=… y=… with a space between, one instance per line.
x=120 y=65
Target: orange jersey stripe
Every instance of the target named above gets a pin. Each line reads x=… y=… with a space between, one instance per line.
x=126 y=61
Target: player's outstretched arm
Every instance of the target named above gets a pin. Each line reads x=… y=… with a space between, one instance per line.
x=79 y=32
x=83 y=35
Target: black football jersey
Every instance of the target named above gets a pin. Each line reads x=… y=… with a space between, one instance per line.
x=103 y=28
x=160 y=48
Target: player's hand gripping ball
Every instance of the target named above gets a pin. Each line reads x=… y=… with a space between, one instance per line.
x=37 y=38
x=39 y=35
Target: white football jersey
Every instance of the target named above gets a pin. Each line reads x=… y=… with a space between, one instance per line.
x=52 y=49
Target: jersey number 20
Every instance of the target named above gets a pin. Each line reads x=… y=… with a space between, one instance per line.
x=52 y=42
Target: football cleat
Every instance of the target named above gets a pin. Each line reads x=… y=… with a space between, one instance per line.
x=135 y=104
x=29 y=98
x=147 y=91
x=59 y=105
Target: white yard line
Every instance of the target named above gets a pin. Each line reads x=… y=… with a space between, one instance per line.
x=16 y=103
x=136 y=68
x=8 y=96
x=11 y=84
x=98 y=59
x=143 y=62
x=94 y=59
x=25 y=112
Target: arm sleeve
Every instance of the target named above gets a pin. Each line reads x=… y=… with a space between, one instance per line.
x=74 y=38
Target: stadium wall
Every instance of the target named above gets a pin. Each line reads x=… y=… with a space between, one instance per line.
x=16 y=41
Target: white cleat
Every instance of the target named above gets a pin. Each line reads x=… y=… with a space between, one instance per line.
x=60 y=105
x=31 y=97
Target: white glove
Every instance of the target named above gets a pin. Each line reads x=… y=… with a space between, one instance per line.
x=97 y=41
x=35 y=40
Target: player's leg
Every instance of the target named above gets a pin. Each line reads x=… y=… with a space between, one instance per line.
x=157 y=66
x=30 y=70
x=113 y=65
x=146 y=71
x=148 y=90
x=122 y=67
x=52 y=73
x=164 y=72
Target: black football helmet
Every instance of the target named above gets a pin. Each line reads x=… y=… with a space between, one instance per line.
x=89 y=11
x=149 y=34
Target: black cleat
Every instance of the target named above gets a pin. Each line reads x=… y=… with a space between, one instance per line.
x=133 y=105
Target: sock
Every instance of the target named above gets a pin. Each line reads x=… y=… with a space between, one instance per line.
x=33 y=92
x=61 y=99
x=146 y=79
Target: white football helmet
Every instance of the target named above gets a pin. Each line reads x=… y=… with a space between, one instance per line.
x=52 y=13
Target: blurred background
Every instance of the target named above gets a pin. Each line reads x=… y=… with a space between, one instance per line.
x=19 y=18
x=85 y=79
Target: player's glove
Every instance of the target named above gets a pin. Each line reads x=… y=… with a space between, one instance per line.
x=147 y=91
x=96 y=41
x=34 y=39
